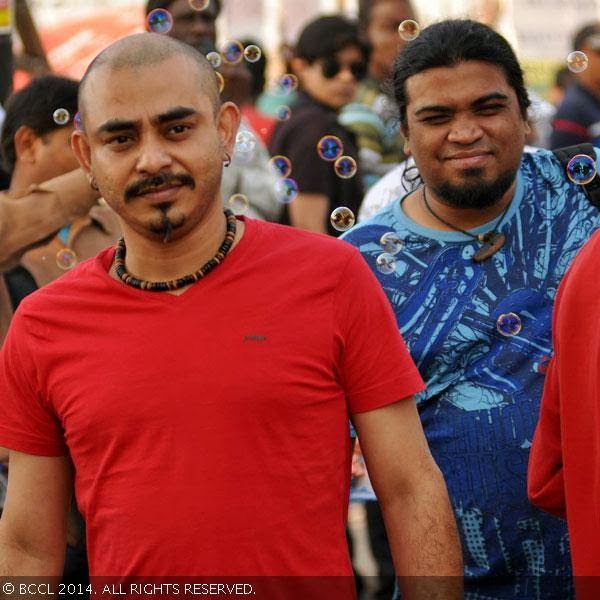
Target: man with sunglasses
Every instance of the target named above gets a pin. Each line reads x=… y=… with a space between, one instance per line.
x=329 y=61
x=577 y=119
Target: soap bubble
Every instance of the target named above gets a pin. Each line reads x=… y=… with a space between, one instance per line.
x=286 y=190
x=330 y=147
x=385 y=263
x=199 y=4
x=232 y=52
x=281 y=165
x=214 y=58
x=342 y=218
x=391 y=242
x=345 y=167
x=159 y=20
x=252 y=53
x=577 y=61
x=283 y=112
x=408 y=30
x=509 y=324
x=238 y=203
x=61 y=116
x=581 y=169
x=66 y=259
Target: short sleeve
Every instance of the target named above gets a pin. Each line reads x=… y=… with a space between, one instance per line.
x=26 y=424
x=298 y=139
x=375 y=367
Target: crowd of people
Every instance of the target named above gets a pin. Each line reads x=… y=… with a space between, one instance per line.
x=190 y=357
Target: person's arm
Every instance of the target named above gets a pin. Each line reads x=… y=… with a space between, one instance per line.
x=30 y=219
x=33 y=525
x=34 y=58
x=412 y=494
x=309 y=211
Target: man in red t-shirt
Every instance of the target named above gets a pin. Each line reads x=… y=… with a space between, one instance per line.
x=205 y=410
x=563 y=476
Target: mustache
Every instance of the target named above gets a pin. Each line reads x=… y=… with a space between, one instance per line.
x=161 y=179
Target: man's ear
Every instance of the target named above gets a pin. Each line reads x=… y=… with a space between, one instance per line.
x=298 y=65
x=406 y=148
x=228 y=121
x=25 y=144
x=81 y=148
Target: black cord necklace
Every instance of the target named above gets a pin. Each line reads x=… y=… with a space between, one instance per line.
x=492 y=240
x=175 y=284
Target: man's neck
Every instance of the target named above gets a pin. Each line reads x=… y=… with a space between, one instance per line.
x=464 y=218
x=20 y=183
x=151 y=260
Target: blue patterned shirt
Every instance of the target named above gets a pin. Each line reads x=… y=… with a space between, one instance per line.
x=484 y=387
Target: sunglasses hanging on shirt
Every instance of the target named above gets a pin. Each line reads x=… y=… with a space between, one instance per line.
x=331 y=67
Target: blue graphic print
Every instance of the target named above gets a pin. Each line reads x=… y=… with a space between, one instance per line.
x=484 y=388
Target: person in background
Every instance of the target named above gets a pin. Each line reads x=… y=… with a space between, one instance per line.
x=471 y=261
x=372 y=114
x=33 y=58
x=260 y=122
x=36 y=150
x=577 y=118
x=249 y=184
x=563 y=79
x=329 y=61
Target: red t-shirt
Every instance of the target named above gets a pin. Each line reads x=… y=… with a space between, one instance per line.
x=564 y=464
x=209 y=431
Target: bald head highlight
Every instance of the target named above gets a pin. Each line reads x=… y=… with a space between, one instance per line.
x=148 y=49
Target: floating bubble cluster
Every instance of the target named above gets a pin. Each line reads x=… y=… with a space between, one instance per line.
x=386 y=263
x=342 y=218
x=345 y=167
x=408 y=30
x=581 y=169
x=577 y=61
x=509 y=324
x=330 y=147
x=281 y=165
x=61 y=116
x=159 y=20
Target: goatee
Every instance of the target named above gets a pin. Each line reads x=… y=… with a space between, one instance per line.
x=478 y=194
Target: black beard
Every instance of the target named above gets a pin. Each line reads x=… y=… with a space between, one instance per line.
x=166 y=225
x=478 y=194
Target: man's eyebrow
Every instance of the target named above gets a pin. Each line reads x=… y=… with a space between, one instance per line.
x=441 y=108
x=179 y=112
x=114 y=125
x=488 y=97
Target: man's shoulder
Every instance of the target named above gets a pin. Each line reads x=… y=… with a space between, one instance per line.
x=301 y=244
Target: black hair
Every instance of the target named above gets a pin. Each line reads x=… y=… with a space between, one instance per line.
x=257 y=69
x=325 y=36
x=448 y=43
x=583 y=33
x=34 y=106
x=154 y=4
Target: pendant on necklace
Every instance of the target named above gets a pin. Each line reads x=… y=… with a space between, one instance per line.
x=492 y=242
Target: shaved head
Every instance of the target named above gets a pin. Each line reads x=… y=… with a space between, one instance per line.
x=145 y=49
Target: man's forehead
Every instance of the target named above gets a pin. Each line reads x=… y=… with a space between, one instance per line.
x=464 y=81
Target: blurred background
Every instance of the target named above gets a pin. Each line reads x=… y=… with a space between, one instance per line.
x=73 y=31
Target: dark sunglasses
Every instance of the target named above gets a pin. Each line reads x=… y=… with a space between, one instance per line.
x=331 y=67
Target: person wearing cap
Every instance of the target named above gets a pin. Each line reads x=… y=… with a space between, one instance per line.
x=577 y=119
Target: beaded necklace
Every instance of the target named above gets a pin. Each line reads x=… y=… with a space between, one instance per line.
x=175 y=284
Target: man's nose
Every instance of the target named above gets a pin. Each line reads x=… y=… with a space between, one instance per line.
x=464 y=130
x=153 y=157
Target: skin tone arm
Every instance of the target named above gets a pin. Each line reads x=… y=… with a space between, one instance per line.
x=34 y=521
x=412 y=494
x=30 y=219
x=33 y=58
x=309 y=211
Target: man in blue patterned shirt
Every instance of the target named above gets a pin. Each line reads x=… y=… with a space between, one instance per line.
x=470 y=262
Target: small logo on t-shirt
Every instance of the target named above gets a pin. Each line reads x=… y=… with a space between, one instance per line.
x=255 y=338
